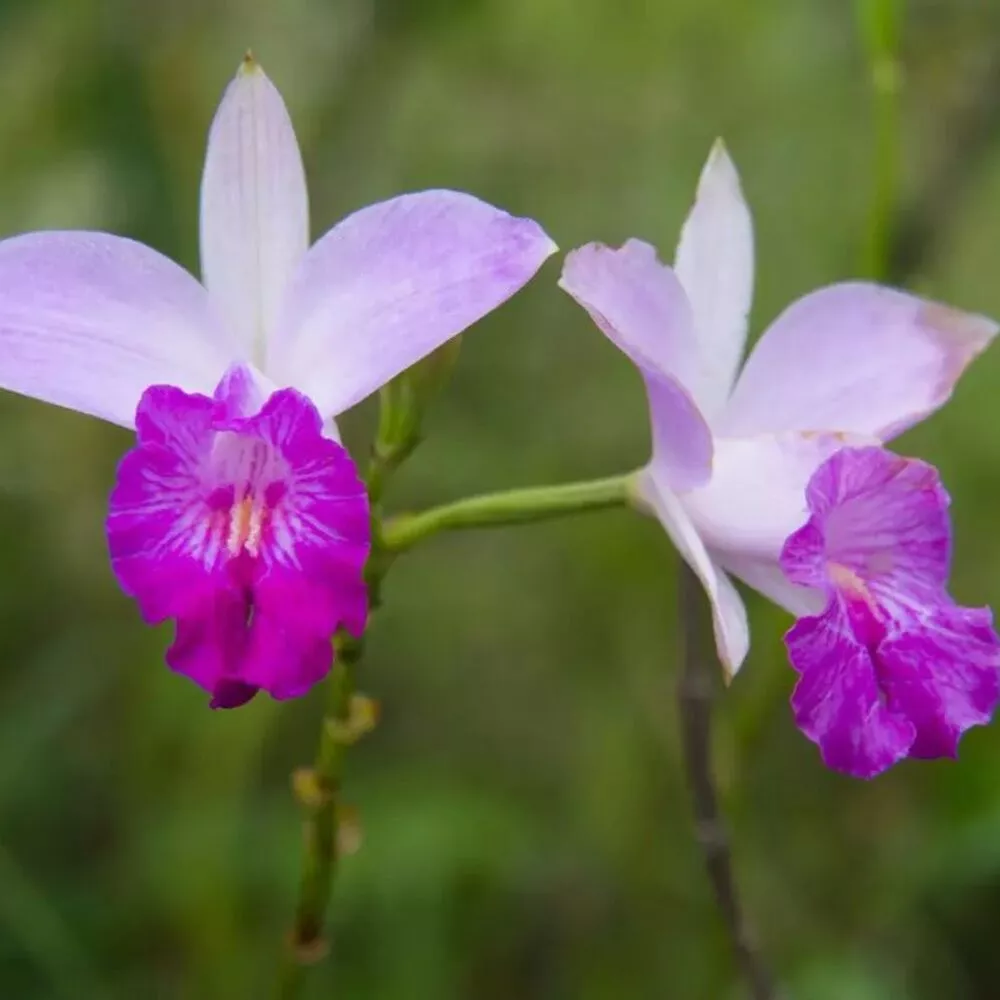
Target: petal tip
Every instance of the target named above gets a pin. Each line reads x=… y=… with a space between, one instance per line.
x=596 y=254
x=533 y=236
x=729 y=659
x=719 y=172
x=249 y=65
x=964 y=335
x=574 y=261
x=719 y=153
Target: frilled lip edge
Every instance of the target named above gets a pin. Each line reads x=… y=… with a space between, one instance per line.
x=912 y=693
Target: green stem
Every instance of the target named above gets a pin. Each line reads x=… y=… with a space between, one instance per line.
x=878 y=21
x=318 y=791
x=508 y=507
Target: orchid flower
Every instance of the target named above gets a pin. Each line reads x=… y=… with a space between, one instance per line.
x=733 y=451
x=238 y=514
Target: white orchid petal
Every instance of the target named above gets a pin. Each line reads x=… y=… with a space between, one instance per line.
x=767 y=578
x=857 y=358
x=729 y=617
x=715 y=264
x=89 y=321
x=640 y=306
x=393 y=282
x=254 y=208
x=757 y=494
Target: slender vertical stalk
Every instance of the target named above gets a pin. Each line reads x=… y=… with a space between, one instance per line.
x=878 y=22
x=318 y=790
x=695 y=695
x=347 y=717
x=321 y=825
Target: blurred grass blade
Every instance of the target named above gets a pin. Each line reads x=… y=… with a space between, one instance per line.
x=879 y=27
x=32 y=923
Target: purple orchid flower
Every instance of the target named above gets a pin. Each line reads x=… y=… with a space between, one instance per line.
x=238 y=513
x=850 y=364
x=892 y=667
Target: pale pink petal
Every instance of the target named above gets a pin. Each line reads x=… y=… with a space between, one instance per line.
x=640 y=306
x=854 y=358
x=254 y=208
x=757 y=494
x=390 y=284
x=729 y=618
x=682 y=442
x=88 y=321
x=766 y=577
x=715 y=265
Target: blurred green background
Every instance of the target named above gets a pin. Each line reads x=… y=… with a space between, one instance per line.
x=527 y=832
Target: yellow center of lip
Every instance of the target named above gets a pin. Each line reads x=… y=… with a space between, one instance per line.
x=851 y=585
x=244 y=527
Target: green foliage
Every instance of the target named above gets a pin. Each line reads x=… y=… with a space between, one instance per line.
x=526 y=828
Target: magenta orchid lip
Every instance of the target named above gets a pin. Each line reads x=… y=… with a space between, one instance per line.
x=249 y=529
x=892 y=667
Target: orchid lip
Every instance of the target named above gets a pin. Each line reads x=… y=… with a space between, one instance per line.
x=892 y=667
x=249 y=529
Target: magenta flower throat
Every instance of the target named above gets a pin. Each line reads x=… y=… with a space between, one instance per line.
x=250 y=531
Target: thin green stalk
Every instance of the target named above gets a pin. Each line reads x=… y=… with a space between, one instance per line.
x=535 y=503
x=321 y=826
x=318 y=791
x=878 y=21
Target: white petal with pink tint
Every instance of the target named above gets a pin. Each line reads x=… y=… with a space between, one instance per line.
x=640 y=306
x=765 y=576
x=855 y=358
x=729 y=617
x=682 y=442
x=757 y=495
x=254 y=208
x=715 y=265
x=638 y=303
x=391 y=283
x=89 y=321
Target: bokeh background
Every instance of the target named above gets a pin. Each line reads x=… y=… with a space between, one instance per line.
x=527 y=832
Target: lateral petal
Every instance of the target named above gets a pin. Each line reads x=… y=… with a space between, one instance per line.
x=89 y=321
x=390 y=284
x=856 y=358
